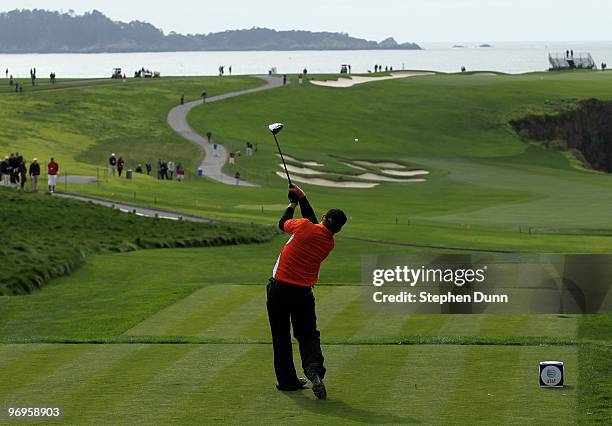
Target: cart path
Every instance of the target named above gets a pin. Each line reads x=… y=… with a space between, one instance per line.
x=213 y=164
x=135 y=209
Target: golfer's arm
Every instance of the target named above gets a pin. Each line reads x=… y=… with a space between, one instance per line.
x=288 y=215
x=307 y=211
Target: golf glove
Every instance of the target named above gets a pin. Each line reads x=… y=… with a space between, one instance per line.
x=293 y=198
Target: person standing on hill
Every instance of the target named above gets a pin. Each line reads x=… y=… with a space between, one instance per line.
x=23 y=173
x=15 y=163
x=112 y=164
x=180 y=172
x=290 y=299
x=52 y=171
x=120 y=165
x=34 y=174
x=170 y=170
x=149 y=167
x=4 y=171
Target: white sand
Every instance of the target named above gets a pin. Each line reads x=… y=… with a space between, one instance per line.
x=301 y=170
x=353 y=166
x=380 y=165
x=329 y=183
x=375 y=177
x=303 y=163
x=353 y=80
x=405 y=172
x=486 y=74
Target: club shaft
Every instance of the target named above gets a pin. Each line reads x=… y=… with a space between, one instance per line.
x=282 y=158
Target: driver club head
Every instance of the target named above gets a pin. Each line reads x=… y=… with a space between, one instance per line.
x=276 y=128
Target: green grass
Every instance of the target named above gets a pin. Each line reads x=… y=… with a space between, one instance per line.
x=181 y=336
x=177 y=338
x=47 y=237
x=81 y=127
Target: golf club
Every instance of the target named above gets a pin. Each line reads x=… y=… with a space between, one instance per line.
x=275 y=129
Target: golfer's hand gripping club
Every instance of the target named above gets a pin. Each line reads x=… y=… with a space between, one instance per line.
x=295 y=194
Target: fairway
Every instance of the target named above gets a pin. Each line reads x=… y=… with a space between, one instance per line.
x=163 y=324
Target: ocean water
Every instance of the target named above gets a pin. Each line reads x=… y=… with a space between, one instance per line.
x=506 y=57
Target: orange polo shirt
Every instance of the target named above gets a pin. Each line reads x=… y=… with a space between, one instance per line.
x=300 y=259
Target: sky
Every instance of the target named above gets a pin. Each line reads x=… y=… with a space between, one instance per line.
x=405 y=20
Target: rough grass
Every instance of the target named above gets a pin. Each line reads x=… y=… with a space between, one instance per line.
x=46 y=237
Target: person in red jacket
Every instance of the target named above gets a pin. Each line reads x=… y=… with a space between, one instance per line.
x=52 y=171
x=290 y=300
x=120 y=165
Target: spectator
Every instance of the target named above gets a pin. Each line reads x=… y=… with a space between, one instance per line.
x=209 y=136
x=52 y=171
x=284 y=79
x=159 y=168
x=23 y=173
x=237 y=175
x=300 y=79
x=164 y=170
x=34 y=174
x=204 y=97
x=249 y=149
x=112 y=164
x=170 y=169
x=14 y=169
x=120 y=164
x=215 y=146
x=182 y=99
x=139 y=169
x=180 y=172
x=149 y=167
x=4 y=171
x=232 y=157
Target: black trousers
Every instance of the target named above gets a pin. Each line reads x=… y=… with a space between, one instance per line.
x=292 y=305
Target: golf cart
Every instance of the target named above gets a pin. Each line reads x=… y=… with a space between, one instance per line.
x=117 y=73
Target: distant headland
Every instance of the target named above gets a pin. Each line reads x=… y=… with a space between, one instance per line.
x=42 y=31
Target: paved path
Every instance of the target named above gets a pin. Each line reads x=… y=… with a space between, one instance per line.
x=213 y=165
x=132 y=208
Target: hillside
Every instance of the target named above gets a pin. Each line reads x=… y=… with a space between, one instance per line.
x=41 y=31
x=50 y=237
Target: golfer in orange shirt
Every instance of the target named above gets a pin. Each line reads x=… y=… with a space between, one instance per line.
x=290 y=299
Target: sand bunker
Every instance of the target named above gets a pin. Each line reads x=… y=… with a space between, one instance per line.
x=380 y=165
x=486 y=74
x=405 y=172
x=329 y=183
x=303 y=163
x=378 y=178
x=353 y=80
x=301 y=170
x=353 y=166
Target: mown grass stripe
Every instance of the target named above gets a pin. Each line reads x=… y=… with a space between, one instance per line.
x=227 y=388
x=64 y=383
x=424 y=386
x=345 y=320
x=110 y=387
x=240 y=316
x=189 y=315
x=21 y=374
